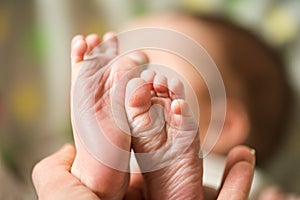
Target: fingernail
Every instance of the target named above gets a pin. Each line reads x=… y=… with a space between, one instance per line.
x=252 y=151
x=139 y=58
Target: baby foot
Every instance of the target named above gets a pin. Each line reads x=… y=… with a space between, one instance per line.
x=92 y=83
x=167 y=153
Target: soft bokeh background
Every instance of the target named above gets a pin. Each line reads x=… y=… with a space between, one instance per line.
x=35 y=72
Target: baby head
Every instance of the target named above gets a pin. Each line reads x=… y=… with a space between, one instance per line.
x=257 y=91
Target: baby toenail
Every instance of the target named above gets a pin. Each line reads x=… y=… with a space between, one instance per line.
x=139 y=58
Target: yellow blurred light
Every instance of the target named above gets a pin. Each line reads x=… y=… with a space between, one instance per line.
x=25 y=102
x=279 y=26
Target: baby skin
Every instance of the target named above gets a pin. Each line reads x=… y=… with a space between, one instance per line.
x=167 y=134
x=89 y=62
x=163 y=130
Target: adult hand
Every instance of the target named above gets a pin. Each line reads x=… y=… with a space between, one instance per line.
x=53 y=180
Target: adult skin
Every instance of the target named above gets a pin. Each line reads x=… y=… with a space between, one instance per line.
x=52 y=178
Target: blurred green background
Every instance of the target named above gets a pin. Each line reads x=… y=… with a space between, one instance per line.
x=35 y=40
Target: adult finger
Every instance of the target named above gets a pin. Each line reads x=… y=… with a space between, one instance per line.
x=238 y=174
x=50 y=168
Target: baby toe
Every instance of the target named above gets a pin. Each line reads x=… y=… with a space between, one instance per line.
x=160 y=85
